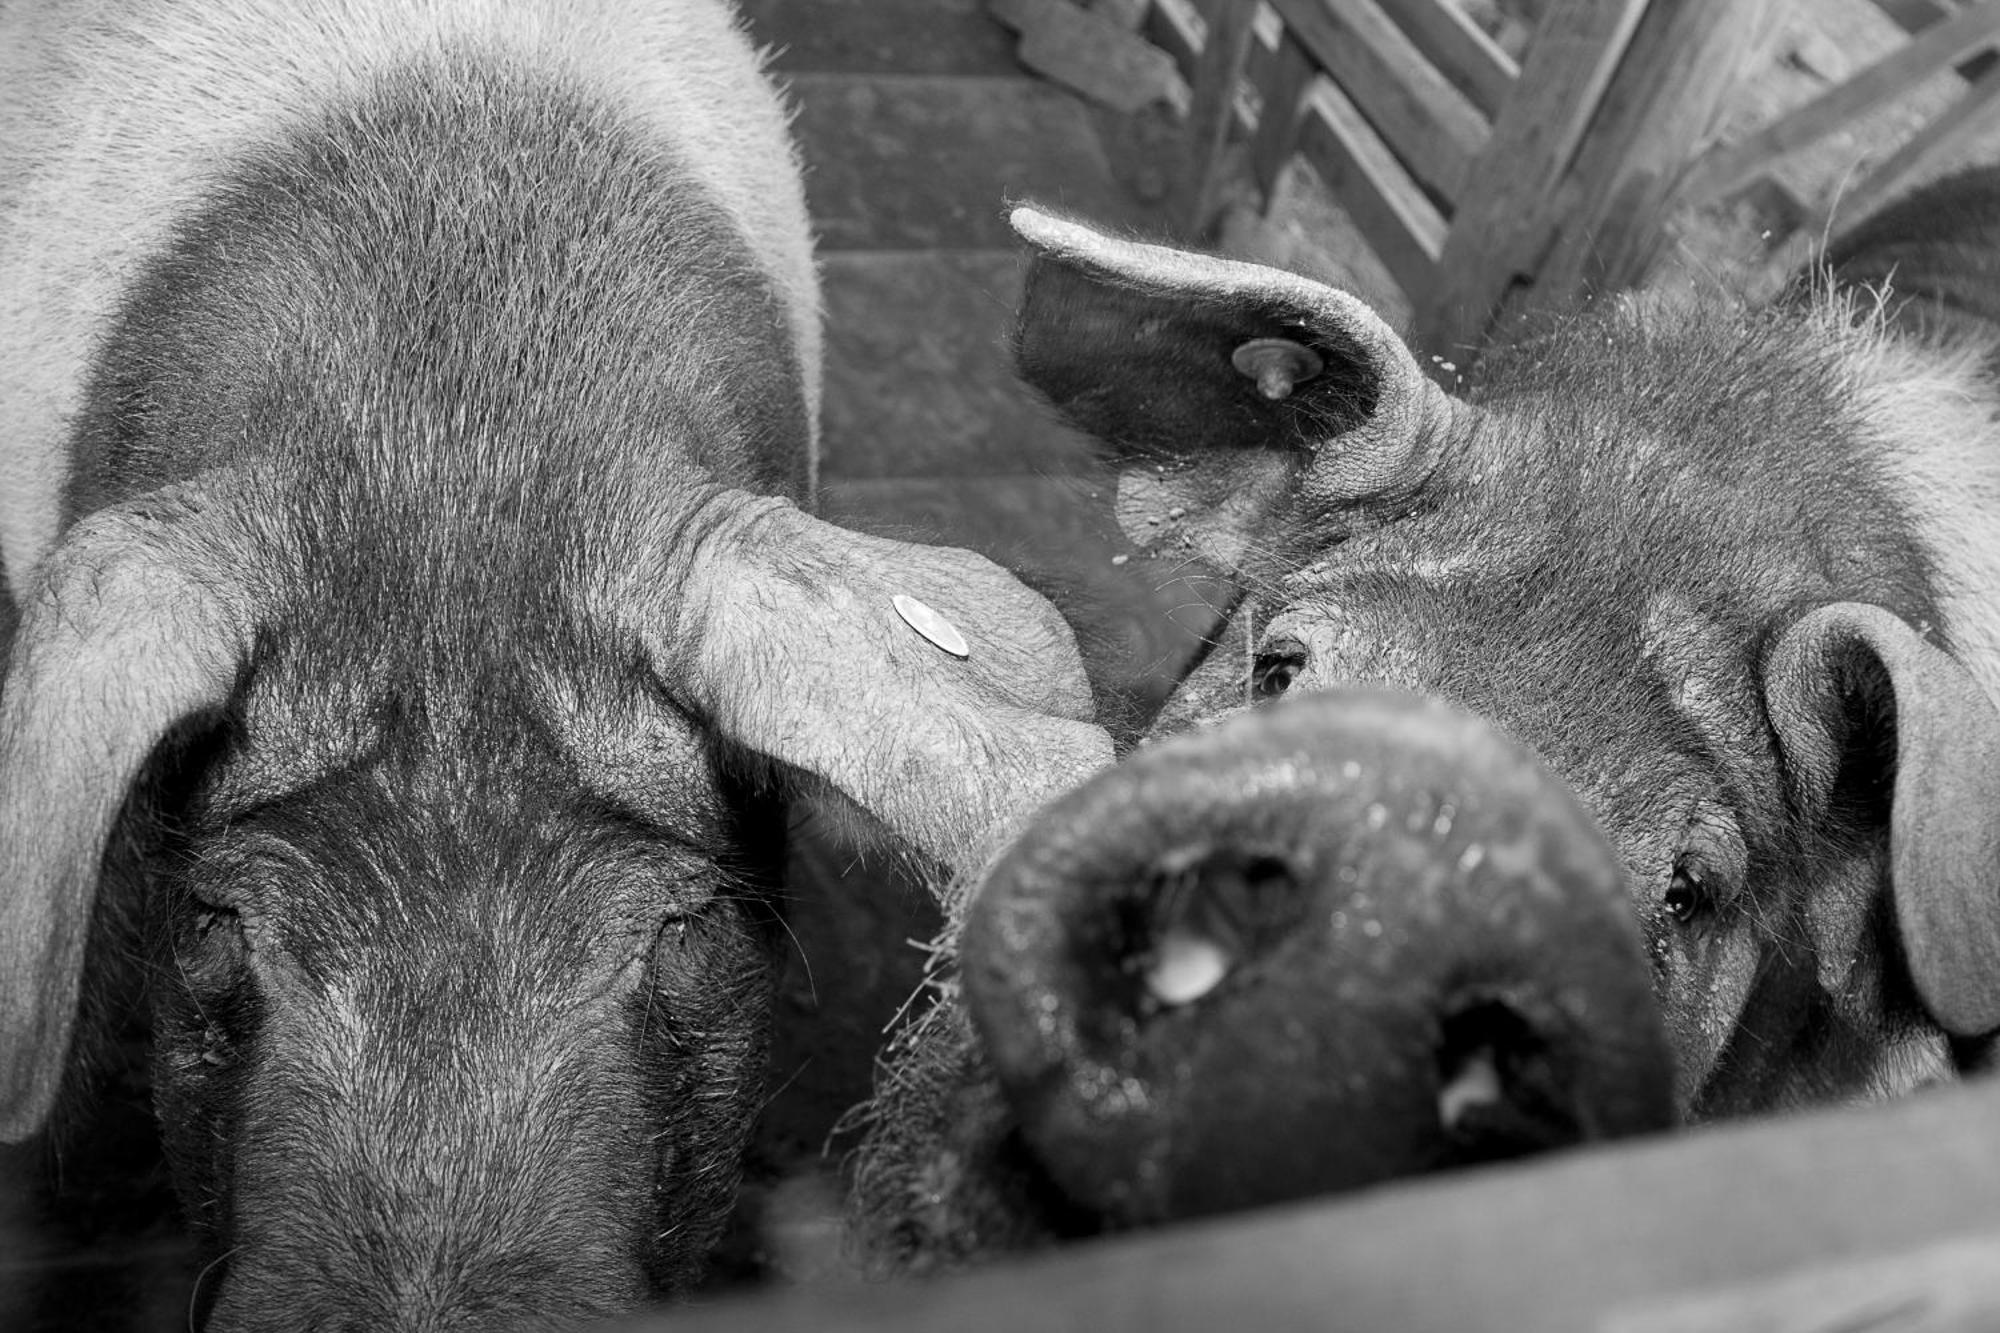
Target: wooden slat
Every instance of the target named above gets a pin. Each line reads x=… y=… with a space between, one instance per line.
x=1402 y=226
x=1290 y=78
x=1728 y=167
x=1460 y=49
x=1260 y=64
x=1949 y=1287
x=1500 y=228
x=1607 y=1239
x=1176 y=28
x=1225 y=48
x=1974 y=114
x=1127 y=14
x=1913 y=15
x=1432 y=126
x=1685 y=59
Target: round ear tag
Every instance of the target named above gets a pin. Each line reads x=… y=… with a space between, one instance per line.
x=1279 y=365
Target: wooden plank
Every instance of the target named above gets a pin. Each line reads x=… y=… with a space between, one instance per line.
x=1726 y=168
x=1082 y=50
x=1127 y=14
x=1460 y=49
x=1913 y=15
x=1972 y=115
x=1432 y=126
x=1500 y=229
x=1175 y=27
x=1225 y=48
x=1947 y=1287
x=1685 y=59
x=1402 y=226
x=1581 y=1241
x=1260 y=65
x=1277 y=133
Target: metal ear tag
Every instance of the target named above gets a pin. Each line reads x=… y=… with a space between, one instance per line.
x=931 y=625
x=1279 y=365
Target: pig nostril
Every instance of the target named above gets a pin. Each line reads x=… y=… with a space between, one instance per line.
x=1474 y=1084
x=1185 y=967
x=1198 y=918
x=1502 y=1086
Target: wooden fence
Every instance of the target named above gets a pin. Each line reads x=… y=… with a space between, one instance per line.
x=1485 y=185
x=1875 y=1218
x=1479 y=182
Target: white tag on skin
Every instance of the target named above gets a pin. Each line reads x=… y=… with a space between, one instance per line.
x=1185 y=968
x=1475 y=1085
x=931 y=625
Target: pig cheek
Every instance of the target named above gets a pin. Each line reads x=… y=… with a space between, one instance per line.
x=1218 y=689
x=1705 y=982
x=200 y=1078
x=703 y=1016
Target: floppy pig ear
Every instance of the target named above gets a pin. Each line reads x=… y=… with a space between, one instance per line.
x=947 y=718
x=1220 y=385
x=1944 y=833
x=126 y=631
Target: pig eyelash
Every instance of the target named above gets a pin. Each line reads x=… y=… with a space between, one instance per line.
x=194 y=1297
x=799 y=948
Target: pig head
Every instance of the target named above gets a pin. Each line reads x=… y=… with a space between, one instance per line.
x=1731 y=574
x=421 y=630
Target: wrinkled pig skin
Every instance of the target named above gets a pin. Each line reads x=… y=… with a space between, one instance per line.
x=1418 y=956
x=406 y=441
x=1732 y=573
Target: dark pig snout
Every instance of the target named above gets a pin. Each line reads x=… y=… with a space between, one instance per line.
x=1347 y=938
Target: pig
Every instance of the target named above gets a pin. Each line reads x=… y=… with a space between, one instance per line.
x=1353 y=937
x=1731 y=572
x=407 y=414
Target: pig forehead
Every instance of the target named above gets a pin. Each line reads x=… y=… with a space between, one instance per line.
x=1627 y=703
x=419 y=882
x=351 y=823
x=535 y=721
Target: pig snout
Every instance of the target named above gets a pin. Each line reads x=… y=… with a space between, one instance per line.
x=1350 y=937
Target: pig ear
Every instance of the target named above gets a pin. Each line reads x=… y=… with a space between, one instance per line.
x=128 y=628
x=1221 y=387
x=925 y=684
x=1834 y=681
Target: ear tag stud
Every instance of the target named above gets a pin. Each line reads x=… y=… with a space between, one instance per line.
x=931 y=625
x=1279 y=365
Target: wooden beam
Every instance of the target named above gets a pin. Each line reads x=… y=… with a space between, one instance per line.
x=1460 y=49
x=1225 y=48
x=1284 y=92
x=1176 y=28
x=1685 y=59
x=1432 y=126
x=1401 y=225
x=1726 y=168
x=1949 y=1286
x=1612 y=1238
x=1974 y=114
x=1500 y=229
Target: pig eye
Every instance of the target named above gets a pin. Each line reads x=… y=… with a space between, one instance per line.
x=211 y=943
x=1276 y=668
x=1689 y=897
